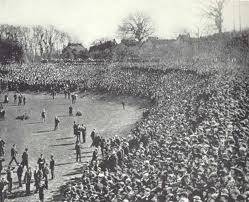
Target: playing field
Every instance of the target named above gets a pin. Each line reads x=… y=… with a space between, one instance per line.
x=104 y=113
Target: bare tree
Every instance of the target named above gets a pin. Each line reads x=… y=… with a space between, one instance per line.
x=37 y=41
x=138 y=26
x=38 y=33
x=64 y=39
x=214 y=12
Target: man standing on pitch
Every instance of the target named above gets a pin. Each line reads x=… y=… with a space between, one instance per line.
x=27 y=179
x=41 y=162
x=19 y=174
x=25 y=158
x=56 y=123
x=13 y=153
x=83 y=131
x=43 y=115
x=51 y=166
x=78 y=152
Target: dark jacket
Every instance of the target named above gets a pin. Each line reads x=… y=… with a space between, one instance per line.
x=19 y=171
x=13 y=152
x=27 y=177
x=52 y=164
x=25 y=157
x=77 y=148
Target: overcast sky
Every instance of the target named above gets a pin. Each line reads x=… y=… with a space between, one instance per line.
x=91 y=19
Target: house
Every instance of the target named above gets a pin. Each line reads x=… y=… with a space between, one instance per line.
x=74 y=51
x=153 y=43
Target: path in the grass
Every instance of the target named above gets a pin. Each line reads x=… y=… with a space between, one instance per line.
x=101 y=112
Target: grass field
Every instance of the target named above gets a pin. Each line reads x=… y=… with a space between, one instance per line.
x=102 y=112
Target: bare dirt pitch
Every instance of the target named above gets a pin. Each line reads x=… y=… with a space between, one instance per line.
x=104 y=113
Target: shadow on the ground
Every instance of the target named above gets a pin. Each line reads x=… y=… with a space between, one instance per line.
x=64 y=144
x=82 y=156
x=14 y=105
x=44 y=131
x=87 y=147
x=62 y=164
x=86 y=152
x=33 y=123
x=65 y=138
x=84 y=148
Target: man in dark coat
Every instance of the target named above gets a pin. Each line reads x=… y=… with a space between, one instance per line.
x=78 y=152
x=24 y=100
x=75 y=128
x=2 y=144
x=13 y=153
x=41 y=192
x=51 y=166
x=1 y=165
x=83 y=131
x=41 y=162
x=45 y=175
x=53 y=93
x=93 y=133
x=6 y=99
x=9 y=172
x=25 y=158
x=15 y=98
x=19 y=174
x=78 y=133
x=95 y=156
x=70 y=111
x=3 y=183
x=43 y=115
x=56 y=123
x=19 y=99
x=37 y=177
x=27 y=179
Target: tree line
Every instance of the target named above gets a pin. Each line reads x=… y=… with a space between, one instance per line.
x=47 y=42
x=36 y=41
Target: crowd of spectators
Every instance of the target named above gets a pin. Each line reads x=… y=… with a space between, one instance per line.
x=192 y=145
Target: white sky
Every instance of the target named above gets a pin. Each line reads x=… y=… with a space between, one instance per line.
x=92 y=19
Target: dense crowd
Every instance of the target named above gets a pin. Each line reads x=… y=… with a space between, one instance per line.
x=191 y=145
